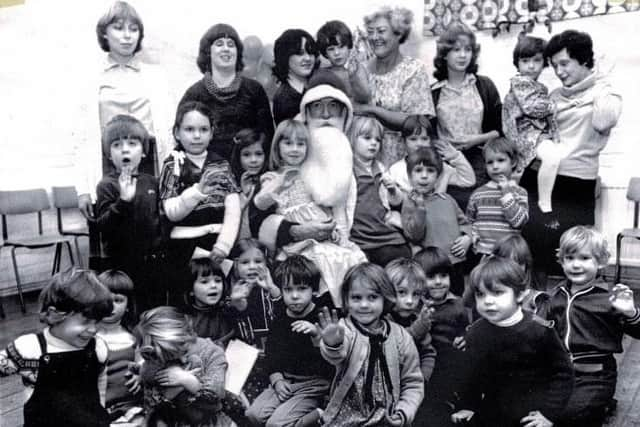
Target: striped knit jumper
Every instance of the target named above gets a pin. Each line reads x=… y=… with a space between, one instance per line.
x=494 y=215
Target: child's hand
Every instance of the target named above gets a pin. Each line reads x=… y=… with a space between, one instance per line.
x=459 y=343
x=206 y=185
x=282 y=388
x=133 y=382
x=389 y=184
x=217 y=256
x=444 y=148
x=461 y=245
x=304 y=327
x=176 y=376
x=461 y=415
x=622 y=300
x=127 y=184
x=395 y=419
x=331 y=331
x=504 y=184
x=265 y=281
x=535 y=419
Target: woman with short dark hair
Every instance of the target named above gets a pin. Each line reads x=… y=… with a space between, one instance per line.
x=236 y=102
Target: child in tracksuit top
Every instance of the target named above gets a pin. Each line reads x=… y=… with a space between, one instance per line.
x=128 y=214
x=598 y=317
x=299 y=377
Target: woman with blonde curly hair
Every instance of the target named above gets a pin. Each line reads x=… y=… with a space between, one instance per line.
x=399 y=83
x=468 y=106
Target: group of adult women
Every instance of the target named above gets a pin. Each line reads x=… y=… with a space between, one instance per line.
x=466 y=106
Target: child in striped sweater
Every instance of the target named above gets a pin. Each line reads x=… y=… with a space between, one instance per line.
x=499 y=208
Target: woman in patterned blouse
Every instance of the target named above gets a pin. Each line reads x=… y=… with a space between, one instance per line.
x=468 y=106
x=399 y=84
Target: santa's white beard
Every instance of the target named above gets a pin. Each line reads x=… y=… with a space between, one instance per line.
x=328 y=169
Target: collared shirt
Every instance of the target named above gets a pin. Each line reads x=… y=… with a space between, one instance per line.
x=459 y=109
x=124 y=90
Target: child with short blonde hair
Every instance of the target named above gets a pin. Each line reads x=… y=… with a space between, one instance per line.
x=285 y=188
x=409 y=282
x=500 y=207
x=372 y=229
x=65 y=364
x=182 y=375
x=591 y=317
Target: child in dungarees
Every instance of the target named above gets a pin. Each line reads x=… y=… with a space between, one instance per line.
x=65 y=363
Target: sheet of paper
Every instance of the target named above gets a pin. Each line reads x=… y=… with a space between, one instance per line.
x=241 y=357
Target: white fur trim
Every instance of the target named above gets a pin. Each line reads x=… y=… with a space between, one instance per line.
x=325 y=91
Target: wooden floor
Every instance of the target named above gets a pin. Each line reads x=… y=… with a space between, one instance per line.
x=12 y=391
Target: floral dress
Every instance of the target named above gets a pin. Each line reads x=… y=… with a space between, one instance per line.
x=332 y=258
x=406 y=89
x=528 y=116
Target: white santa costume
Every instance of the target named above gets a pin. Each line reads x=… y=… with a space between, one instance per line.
x=323 y=189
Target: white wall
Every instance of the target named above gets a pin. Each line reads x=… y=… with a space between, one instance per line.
x=48 y=48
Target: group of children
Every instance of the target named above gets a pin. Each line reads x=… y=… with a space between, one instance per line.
x=401 y=351
x=374 y=326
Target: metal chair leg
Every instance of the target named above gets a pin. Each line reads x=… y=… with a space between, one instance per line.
x=56 y=255
x=73 y=262
x=78 y=253
x=18 y=284
x=618 y=248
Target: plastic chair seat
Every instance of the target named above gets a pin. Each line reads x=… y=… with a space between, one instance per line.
x=630 y=232
x=633 y=195
x=37 y=242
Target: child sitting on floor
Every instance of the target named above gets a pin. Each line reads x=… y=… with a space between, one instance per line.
x=516 y=369
x=64 y=365
x=299 y=377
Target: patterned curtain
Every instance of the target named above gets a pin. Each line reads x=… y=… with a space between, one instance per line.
x=489 y=14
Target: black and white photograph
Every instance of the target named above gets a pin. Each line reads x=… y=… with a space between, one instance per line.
x=393 y=213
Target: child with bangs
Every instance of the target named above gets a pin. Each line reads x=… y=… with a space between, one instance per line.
x=285 y=189
x=517 y=371
x=378 y=379
x=208 y=302
x=528 y=120
x=248 y=163
x=64 y=366
x=418 y=133
x=499 y=208
x=128 y=212
x=335 y=42
x=122 y=400
x=449 y=322
x=375 y=225
x=182 y=375
x=295 y=389
x=430 y=218
x=592 y=318
x=409 y=282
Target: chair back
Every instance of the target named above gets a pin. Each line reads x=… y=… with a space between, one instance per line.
x=20 y=202
x=633 y=194
x=64 y=197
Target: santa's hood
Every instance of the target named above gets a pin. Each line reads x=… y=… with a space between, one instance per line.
x=325 y=91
